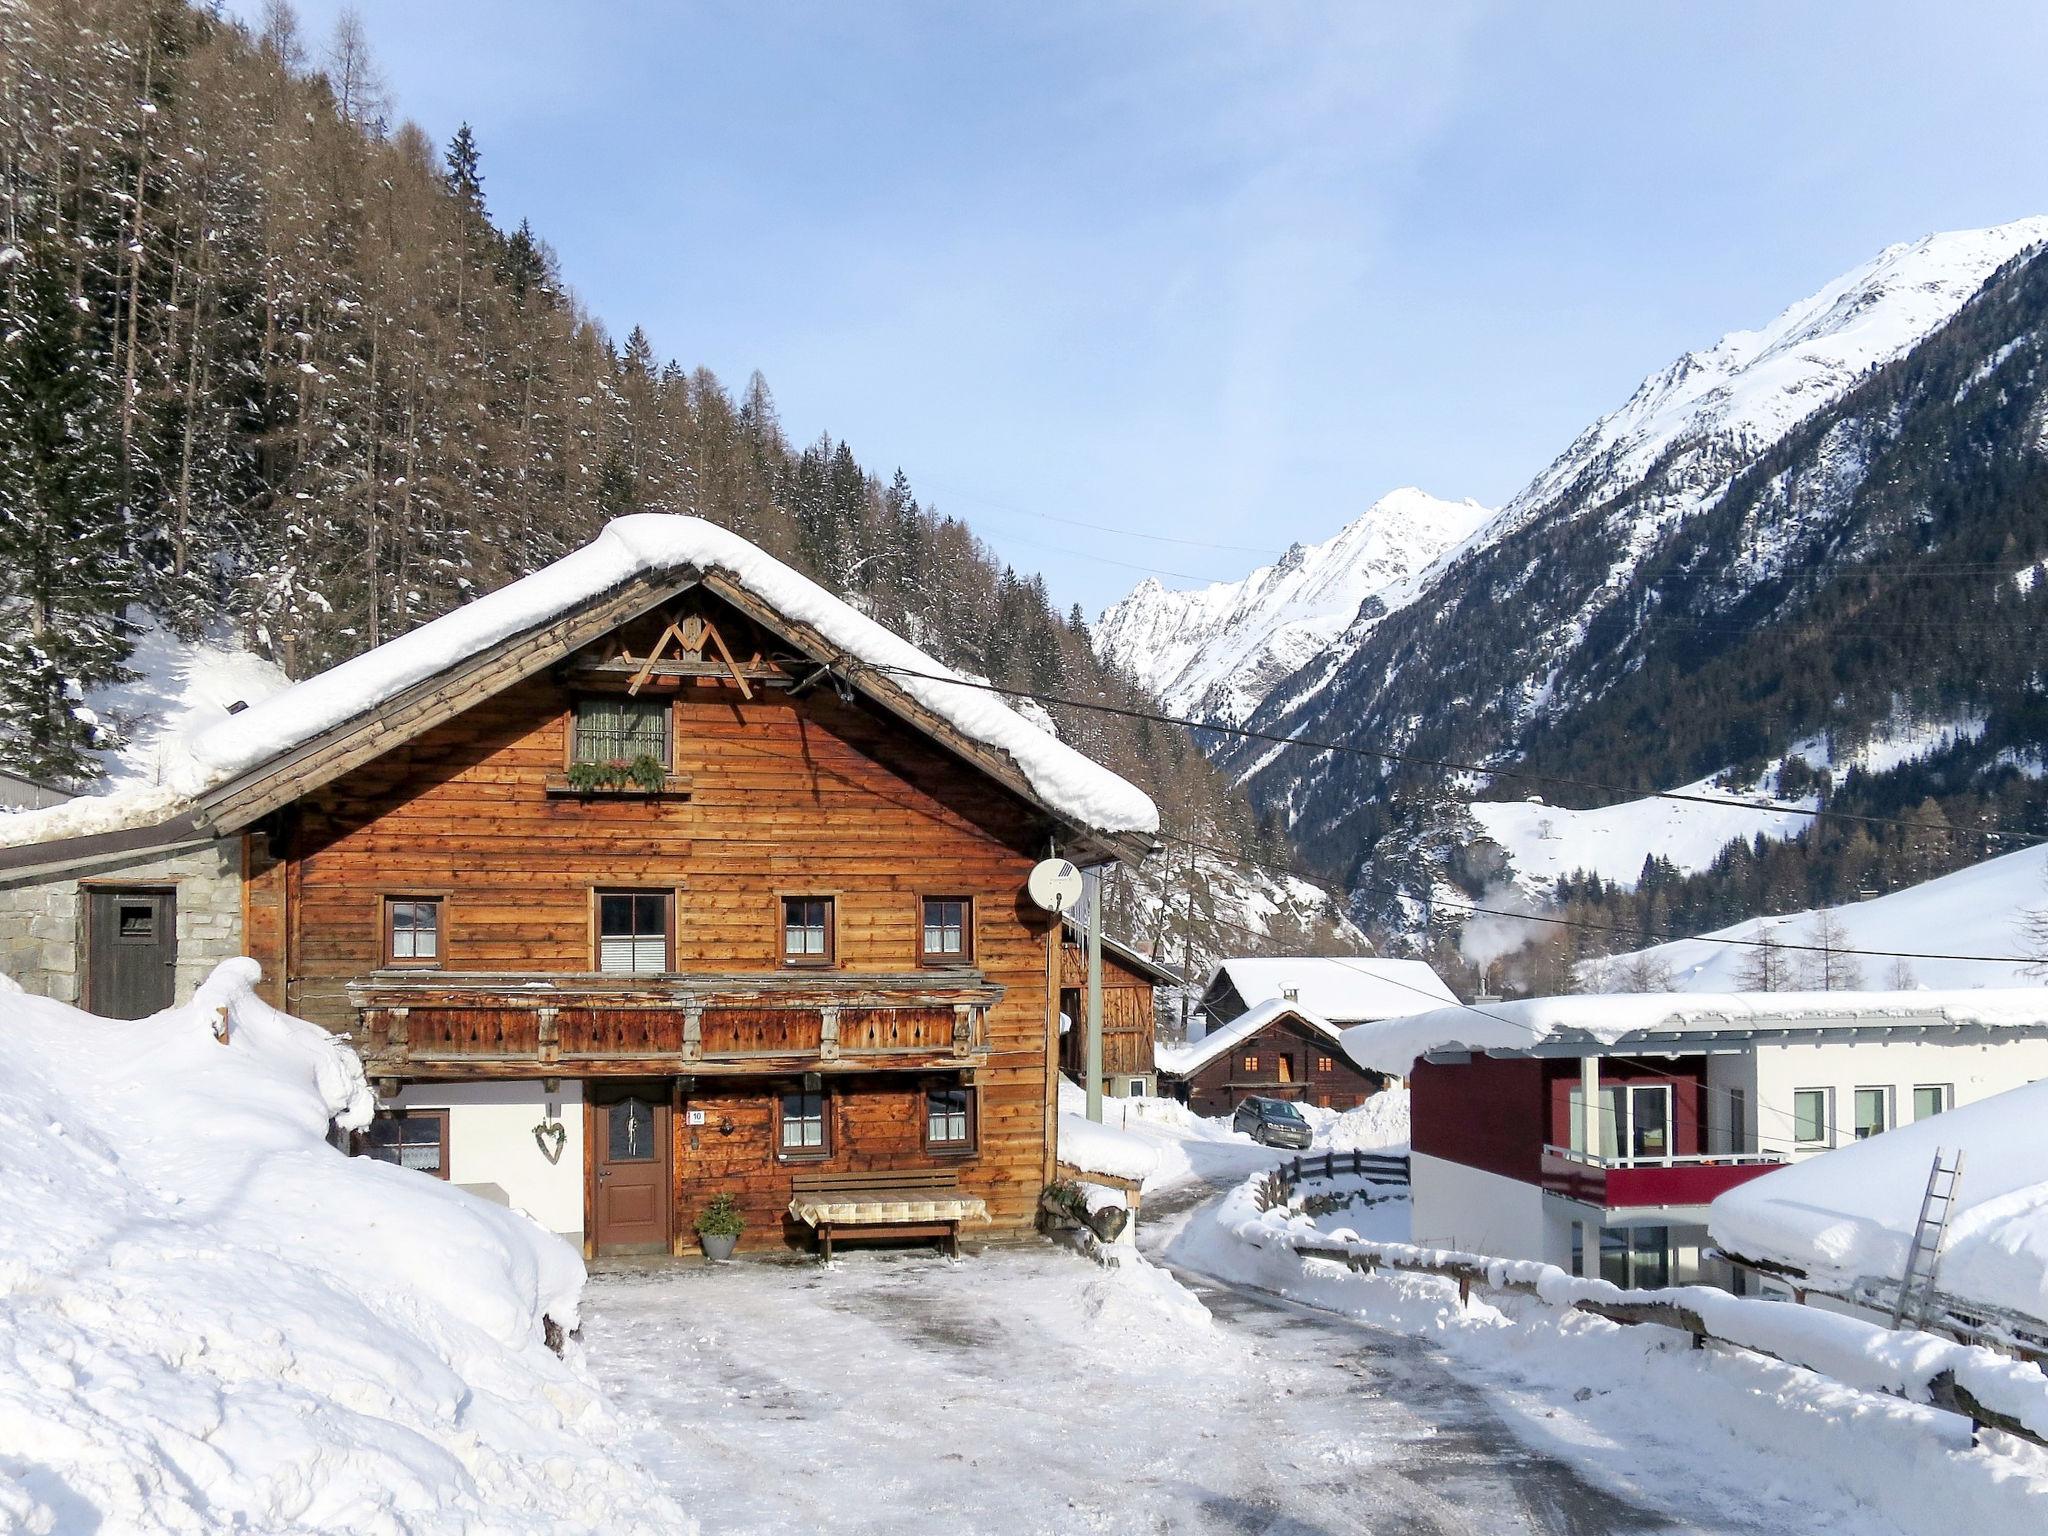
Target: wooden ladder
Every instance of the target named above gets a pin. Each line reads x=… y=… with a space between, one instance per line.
x=1923 y=1256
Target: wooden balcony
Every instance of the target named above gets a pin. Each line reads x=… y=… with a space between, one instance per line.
x=438 y=1025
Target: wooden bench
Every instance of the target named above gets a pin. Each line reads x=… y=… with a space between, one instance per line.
x=884 y=1202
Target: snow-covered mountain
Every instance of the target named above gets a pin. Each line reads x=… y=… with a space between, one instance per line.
x=1738 y=558
x=1213 y=653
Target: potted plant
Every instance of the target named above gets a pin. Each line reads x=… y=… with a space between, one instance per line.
x=719 y=1226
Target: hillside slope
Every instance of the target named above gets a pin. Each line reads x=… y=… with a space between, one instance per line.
x=1213 y=653
x=1806 y=532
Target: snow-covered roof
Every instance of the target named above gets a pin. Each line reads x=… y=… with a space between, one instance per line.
x=1346 y=988
x=1569 y=1025
x=1064 y=780
x=1848 y=1215
x=1180 y=1060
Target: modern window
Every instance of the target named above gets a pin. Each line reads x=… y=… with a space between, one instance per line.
x=946 y=930
x=633 y=932
x=1931 y=1099
x=1873 y=1112
x=803 y=1131
x=1326 y=1063
x=1649 y=1121
x=412 y=930
x=411 y=1138
x=615 y=729
x=949 y=1120
x=807 y=937
x=1813 y=1115
x=1251 y=1064
x=1636 y=1258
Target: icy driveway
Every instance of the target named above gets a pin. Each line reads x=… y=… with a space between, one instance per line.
x=1028 y=1391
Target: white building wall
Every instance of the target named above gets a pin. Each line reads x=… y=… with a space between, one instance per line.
x=1454 y=1206
x=491 y=1141
x=1973 y=1068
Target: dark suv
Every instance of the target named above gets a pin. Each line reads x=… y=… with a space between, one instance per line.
x=1275 y=1122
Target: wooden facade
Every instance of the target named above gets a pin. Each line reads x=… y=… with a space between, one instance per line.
x=773 y=790
x=1285 y=1058
x=1129 y=1020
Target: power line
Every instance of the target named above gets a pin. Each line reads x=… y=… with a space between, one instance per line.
x=1093 y=527
x=1388 y=754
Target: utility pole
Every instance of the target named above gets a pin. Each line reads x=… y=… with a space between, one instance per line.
x=1187 y=943
x=1093 y=877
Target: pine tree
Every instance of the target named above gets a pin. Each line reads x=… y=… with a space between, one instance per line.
x=465 y=174
x=64 y=571
x=1826 y=967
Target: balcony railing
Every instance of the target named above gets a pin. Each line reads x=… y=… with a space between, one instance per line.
x=434 y=1024
x=1616 y=1182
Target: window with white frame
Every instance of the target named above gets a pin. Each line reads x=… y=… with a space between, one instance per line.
x=1813 y=1114
x=1930 y=1099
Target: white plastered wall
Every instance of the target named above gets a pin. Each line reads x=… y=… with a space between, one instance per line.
x=1455 y=1206
x=491 y=1141
x=1973 y=1068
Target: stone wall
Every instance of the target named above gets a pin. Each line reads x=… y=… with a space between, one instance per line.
x=42 y=919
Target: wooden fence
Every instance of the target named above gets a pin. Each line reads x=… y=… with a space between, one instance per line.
x=1382 y=1167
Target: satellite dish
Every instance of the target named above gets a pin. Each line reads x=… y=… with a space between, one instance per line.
x=1054 y=884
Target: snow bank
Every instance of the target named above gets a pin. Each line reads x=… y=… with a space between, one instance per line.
x=1973 y=911
x=1380 y=1124
x=211 y=1319
x=1101 y=1149
x=650 y=542
x=1394 y=1045
x=1849 y=1216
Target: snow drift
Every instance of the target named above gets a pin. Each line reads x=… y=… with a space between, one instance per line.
x=210 y=1319
x=1849 y=1216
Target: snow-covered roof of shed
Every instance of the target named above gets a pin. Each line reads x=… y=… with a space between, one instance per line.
x=1849 y=1215
x=1342 y=987
x=1530 y=1025
x=1064 y=780
x=1180 y=1060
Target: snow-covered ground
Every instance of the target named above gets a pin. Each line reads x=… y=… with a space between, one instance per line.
x=1612 y=841
x=210 y=1320
x=1717 y=1440
x=1972 y=912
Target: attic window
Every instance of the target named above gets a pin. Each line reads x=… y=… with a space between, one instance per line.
x=1290 y=994
x=610 y=729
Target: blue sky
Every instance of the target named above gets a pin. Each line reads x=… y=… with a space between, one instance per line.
x=1217 y=274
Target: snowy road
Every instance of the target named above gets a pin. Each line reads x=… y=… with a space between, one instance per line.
x=1026 y=1391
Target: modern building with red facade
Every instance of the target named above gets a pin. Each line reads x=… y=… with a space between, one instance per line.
x=1696 y=1093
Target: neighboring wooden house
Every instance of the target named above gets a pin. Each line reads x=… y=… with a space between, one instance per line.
x=1277 y=1050
x=1129 y=1024
x=659 y=874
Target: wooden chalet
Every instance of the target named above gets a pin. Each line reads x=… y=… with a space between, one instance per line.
x=663 y=874
x=1277 y=1050
x=1129 y=1020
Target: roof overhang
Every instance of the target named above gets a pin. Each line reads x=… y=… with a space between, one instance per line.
x=394 y=721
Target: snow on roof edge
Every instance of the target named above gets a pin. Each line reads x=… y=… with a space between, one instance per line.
x=1180 y=1060
x=1064 y=778
x=1394 y=1045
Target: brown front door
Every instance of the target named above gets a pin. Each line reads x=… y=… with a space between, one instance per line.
x=630 y=1179
x=132 y=952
